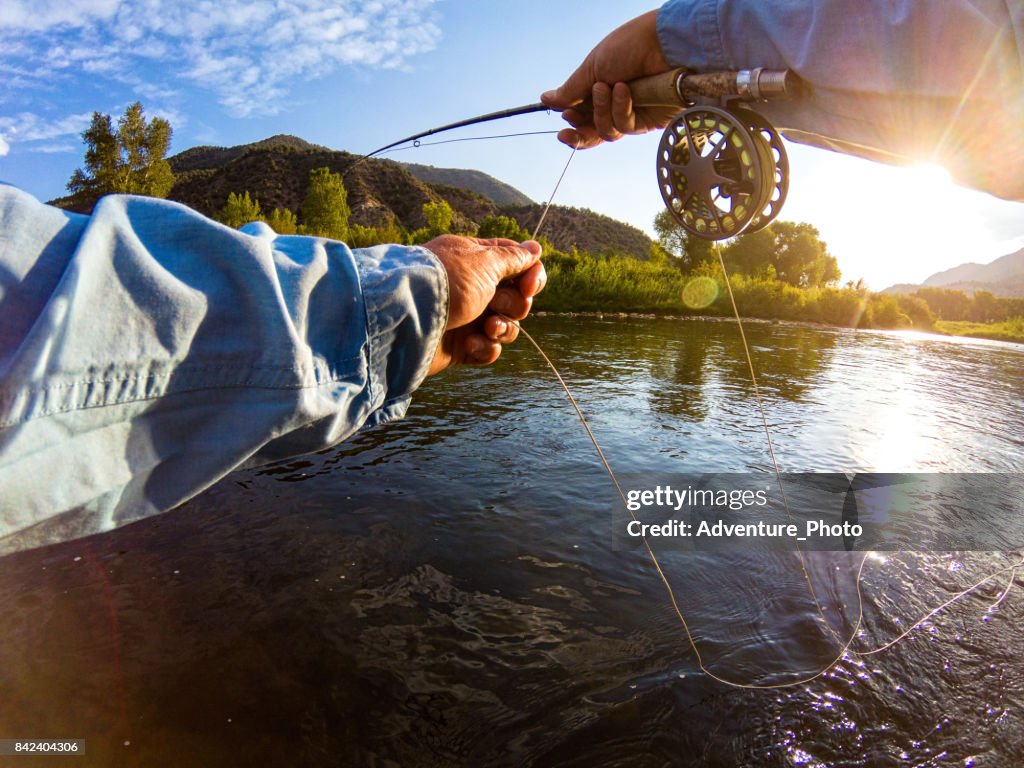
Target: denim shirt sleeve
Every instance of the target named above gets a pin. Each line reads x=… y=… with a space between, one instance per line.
x=146 y=352
x=893 y=80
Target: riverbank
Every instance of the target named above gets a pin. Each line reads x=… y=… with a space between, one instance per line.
x=1010 y=330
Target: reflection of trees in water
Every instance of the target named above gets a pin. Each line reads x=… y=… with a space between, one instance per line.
x=684 y=364
x=787 y=359
x=698 y=362
x=683 y=367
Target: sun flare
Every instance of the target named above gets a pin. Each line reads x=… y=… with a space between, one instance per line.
x=892 y=224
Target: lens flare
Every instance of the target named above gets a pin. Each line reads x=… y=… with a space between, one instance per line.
x=700 y=292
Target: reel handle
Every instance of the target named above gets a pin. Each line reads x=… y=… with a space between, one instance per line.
x=679 y=88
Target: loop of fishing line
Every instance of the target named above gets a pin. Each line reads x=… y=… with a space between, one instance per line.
x=845 y=645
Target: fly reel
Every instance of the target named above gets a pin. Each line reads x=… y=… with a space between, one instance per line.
x=722 y=171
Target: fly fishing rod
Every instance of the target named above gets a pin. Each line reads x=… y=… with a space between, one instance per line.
x=722 y=167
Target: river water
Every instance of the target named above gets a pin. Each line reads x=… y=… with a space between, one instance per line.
x=444 y=590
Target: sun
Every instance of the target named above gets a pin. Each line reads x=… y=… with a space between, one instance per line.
x=889 y=224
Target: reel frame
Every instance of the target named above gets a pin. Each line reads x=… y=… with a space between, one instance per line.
x=722 y=167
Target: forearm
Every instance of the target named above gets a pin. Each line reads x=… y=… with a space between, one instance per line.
x=165 y=350
x=924 y=80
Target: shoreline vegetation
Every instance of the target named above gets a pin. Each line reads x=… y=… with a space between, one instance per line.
x=985 y=331
x=782 y=272
x=614 y=285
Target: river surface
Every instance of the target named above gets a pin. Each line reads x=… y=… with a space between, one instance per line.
x=444 y=590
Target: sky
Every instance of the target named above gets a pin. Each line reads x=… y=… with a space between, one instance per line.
x=355 y=75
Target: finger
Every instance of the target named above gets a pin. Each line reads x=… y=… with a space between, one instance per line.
x=580 y=139
x=623 y=116
x=533 y=280
x=602 y=95
x=578 y=119
x=510 y=302
x=500 y=329
x=480 y=350
x=501 y=242
x=572 y=91
x=514 y=259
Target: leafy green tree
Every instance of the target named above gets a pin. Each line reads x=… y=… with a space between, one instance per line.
x=795 y=252
x=946 y=303
x=986 y=308
x=239 y=211
x=129 y=160
x=502 y=226
x=439 y=216
x=689 y=251
x=282 y=221
x=363 y=237
x=917 y=310
x=325 y=210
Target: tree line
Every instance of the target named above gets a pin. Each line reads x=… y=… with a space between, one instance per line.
x=783 y=271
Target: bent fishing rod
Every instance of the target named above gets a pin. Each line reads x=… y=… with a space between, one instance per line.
x=722 y=167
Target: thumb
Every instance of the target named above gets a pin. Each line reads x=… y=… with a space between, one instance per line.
x=513 y=260
x=572 y=91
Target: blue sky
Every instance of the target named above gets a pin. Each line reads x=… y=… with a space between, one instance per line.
x=356 y=75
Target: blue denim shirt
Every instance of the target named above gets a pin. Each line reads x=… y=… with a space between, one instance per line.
x=146 y=352
x=893 y=80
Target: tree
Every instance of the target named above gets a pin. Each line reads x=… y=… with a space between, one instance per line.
x=129 y=160
x=363 y=237
x=791 y=252
x=689 y=251
x=439 y=216
x=986 y=308
x=946 y=303
x=239 y=211
x=325 y=210
x=502 y=226
x=283 y=221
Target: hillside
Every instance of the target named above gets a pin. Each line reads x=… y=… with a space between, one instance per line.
x=475 y=181
x=275 y=172
x=1003 y=277
x=1008 y=267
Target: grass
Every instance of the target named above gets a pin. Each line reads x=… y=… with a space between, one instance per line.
x=1008 y=330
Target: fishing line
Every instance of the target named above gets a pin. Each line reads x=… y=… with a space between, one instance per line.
x=417 y=143
x=845 y=646
x=771 y=446
x=977 y=585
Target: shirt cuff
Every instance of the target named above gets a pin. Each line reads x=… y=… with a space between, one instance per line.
x=405 y=293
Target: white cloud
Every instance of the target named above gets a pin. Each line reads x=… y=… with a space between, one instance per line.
x=43 y=15
x=52 y=149
x=28 y=126
x=245 y=51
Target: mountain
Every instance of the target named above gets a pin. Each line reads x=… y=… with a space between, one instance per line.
x=475 y=181
x=1002 y=277
x=1006 y=268
x=275 y=171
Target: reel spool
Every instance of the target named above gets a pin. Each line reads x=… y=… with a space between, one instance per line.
x=722 y=172
x=762 y=129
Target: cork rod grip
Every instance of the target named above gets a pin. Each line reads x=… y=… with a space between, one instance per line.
x=663 y=90
x=657 y=90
